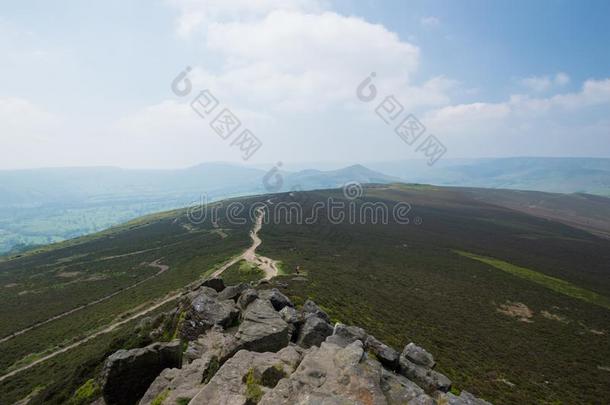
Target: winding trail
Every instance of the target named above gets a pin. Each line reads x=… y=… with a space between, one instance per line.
x=269 y=266
x=108 y=329
x=162 y=269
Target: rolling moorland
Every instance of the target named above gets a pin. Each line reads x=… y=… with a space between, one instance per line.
x=42 y=206
x=514 y=303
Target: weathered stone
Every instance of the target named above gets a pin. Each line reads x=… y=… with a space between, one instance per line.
x=344 y=335
x=246 y=298
x=233 y=292
x=425 y=377
x=205 y=311
x=247 y=376
x=289 y=314
x=418 y=355
x=182 y=383
x=262 y=328
x=398 y=390
x=127 y=374
x=313 y=332
x=213 y=343
x=330 y=374
x=277 y=299
x=311 y=307
x=386 y=355
x=465 y=398
x=215 y=283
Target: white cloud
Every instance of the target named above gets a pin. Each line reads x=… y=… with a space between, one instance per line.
x=541 y=84
x=295 y=61
x=547 y=125
x=197 y=13
x=430 y=22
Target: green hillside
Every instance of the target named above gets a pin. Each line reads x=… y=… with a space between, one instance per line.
x=503 y=336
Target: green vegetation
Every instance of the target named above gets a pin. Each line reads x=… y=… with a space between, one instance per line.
x=211 y=370
x=242 y=272
x=159 y=399
x=404 y=283
x=400 y=282
x=86 y=393
x=254 y=392
x=552 y=283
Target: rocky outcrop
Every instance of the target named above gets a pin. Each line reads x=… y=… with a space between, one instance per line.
x=127 y=374
x=215 y=283
x=274 y=354
x=248 y=376
x=313 y=332
x=204 y=310
x=416 y=364
x=262 y=328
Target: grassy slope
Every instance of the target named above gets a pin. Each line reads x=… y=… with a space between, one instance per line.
x=405 y=283
x=401 y=282
x=115 y=258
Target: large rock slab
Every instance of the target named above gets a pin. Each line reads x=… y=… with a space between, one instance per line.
x=215 y=342
x=262 y=328
x=247 y=376
x=127 y=374
x=331 y=374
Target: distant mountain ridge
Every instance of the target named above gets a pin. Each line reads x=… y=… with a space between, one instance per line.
x=40 y=206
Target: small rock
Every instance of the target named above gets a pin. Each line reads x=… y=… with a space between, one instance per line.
x=215 y=283
x=311 y=307
x=289 y=314
x=313 y=332
x=425 y=377
x=418 y=355
x=387 y=356
x=205 y=311
x=278 y=300
x=233 y=292
x=246 y=298
x=344 y=335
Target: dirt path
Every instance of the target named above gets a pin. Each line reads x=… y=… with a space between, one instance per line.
x=108 y=329
x=162 y=268
x=269 y=266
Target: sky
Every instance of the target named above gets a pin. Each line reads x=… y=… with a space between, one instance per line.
x=98 y=83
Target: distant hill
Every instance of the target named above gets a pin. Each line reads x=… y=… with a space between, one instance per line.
x=557 y=175
x=42 y=206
